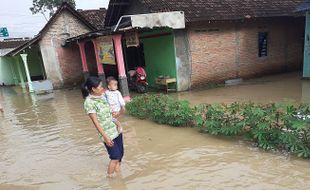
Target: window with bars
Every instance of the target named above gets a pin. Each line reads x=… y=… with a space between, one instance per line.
x=262 y=44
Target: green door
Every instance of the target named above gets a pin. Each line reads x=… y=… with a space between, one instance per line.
x=159 y=52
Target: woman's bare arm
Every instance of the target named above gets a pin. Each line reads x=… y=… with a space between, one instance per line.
x=95 y=121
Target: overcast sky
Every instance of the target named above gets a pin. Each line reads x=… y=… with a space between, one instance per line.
x=16 y=16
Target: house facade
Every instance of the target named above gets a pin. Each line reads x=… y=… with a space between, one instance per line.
x=62 y=66
x=228 y=50
x=9 y=69
x=221 y=41
x=305 y=9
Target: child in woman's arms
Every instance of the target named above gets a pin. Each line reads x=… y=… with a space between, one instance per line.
x=116 y=101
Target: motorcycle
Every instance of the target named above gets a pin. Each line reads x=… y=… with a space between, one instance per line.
x=137 y=80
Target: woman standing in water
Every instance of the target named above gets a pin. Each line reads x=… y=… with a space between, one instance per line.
x=99 y=112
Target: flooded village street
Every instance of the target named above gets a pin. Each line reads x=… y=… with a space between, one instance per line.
x=273 y=88
x=48 y=143
x=134 y=47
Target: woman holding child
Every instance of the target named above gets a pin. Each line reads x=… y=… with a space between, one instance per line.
x=98 y=109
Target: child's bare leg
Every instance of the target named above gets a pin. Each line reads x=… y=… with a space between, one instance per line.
x=118 y=125
x=111 y=167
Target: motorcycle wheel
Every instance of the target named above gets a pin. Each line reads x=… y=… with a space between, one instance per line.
x=141 y=89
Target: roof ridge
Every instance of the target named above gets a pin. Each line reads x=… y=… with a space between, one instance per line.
x=99 y=9
x=64 y=6
x=225 y=9
x=73 y=11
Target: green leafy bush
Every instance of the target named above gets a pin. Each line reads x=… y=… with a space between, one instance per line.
x=270 y=126
x=161 y=109
x=137 y=107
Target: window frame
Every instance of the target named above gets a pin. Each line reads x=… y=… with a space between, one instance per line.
x=262 y=40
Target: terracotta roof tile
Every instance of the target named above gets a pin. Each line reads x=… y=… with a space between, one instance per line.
x=95 y=17
x=225 y=9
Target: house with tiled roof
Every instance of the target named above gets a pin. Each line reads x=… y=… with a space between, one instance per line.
x=9 y=44
x=194 y=43
x=7 y=75
x=222 y=39
x=60 y=65
x=95 y=17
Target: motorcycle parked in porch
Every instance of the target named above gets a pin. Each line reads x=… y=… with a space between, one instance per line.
x=137 y=80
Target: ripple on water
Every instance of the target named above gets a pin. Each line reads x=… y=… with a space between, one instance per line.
x=53 y=145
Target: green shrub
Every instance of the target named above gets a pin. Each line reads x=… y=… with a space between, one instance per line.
x=137 y=107
x=270 y=126
x=161 y=109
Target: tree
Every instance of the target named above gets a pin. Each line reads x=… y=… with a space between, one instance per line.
x=42 y=6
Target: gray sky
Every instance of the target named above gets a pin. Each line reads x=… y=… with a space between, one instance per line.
x=16 y=16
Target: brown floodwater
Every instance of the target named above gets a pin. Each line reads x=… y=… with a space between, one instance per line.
x=48 y=143
x=275 y=88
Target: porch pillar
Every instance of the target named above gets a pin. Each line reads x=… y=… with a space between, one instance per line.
x=101 y=74
x=306 y=68
x=117 y=38
x=13 y=72
x=84 y=60
x=22 y=82
x=24 y=57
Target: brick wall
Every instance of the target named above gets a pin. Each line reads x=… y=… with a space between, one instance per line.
x=228 y=50
x=70 y=64
x=63 y=65
x=91 y=58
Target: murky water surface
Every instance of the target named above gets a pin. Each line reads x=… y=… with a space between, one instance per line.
x=48 y=143
x=262 y=90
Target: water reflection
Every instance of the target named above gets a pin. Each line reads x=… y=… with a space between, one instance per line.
x=262 y=90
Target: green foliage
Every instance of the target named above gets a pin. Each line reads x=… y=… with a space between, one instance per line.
x=269 y=126
x=161 y=109
x=41 y=6
x=137 y=107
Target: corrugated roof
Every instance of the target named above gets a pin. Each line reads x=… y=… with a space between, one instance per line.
x=304 y=7
x=87 y=36
x=11 y=44
x=23 y=46
x=115 y=10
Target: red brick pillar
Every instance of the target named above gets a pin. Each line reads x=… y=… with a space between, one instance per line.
x=84 y=60
x=101 y=74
